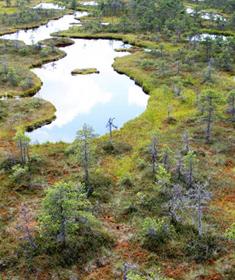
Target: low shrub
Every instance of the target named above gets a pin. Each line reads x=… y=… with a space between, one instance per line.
x=131 y=275
x=35 y=103
x=27 y=83
x=116 y=148
x=19 y=174
x=230 y=232
x=44 y=52
x=126 y=181
x=68 y=230
x=100 y=181
x=101 y=184
x=135 y=274
x=156 y=232
x=36 y=162
x=203 y=248
x=12 y=77
x=141 y=164
x=108 y=147
x=24 y=51
x=129 y=210
x=7 y=163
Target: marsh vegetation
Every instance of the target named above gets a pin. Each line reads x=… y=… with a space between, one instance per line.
x=152 y=198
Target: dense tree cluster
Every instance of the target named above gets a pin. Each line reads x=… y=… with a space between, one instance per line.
x=226 y=5
x=142 y=15
x=26 y=15
x=67 y=225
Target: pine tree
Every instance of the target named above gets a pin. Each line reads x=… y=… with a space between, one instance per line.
x=84 y=151
x=210 y=99
x=23 y=143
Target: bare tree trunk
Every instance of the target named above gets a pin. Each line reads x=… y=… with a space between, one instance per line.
x=166 y=160
x=154 y=166
x=199 y=216
x=110 y=133
x=179 y=167
x=125 y=272
x=30 y=238
x=209 y=126
x=25 y=227
x=190 y=174
x=185 y=138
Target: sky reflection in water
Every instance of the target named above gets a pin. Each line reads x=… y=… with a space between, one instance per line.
x=87 y=98
x=83 y=99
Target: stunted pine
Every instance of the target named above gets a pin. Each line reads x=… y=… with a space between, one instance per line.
x=22 y=142
x=25 y=226
x=175 y=205
x=84 y=152
x=210 y=99
x=197 y=199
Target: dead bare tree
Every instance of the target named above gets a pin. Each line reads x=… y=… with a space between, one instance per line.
x=110 y=125
x=197 y=199
x=166 y=158
x=186 y=141
x=25 y=226
x=189 y=165
x=179 y=166
x=175 y=204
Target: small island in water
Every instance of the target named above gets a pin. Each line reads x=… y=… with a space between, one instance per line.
x=84 y=71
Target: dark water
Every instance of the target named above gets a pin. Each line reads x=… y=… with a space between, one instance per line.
x=83 y=99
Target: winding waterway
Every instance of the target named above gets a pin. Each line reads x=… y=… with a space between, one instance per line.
x=91 y=99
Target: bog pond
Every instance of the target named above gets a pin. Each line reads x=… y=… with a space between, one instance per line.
x=80 y=99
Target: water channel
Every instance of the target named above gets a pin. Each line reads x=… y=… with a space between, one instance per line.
x=80 y=99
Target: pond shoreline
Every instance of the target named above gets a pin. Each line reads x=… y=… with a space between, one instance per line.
x=116 y=70
x=36 y=89
x=63 y=53
x=125 y=38
x=34 y=25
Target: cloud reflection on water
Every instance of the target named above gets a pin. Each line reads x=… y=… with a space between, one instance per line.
x=83 y=98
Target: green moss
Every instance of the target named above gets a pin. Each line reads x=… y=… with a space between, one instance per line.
x=33 y=113
x=16 y=79
x=134 y=39
x=218 y=32
x=145 y=69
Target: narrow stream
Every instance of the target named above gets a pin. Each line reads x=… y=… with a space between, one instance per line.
x=91 y=99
